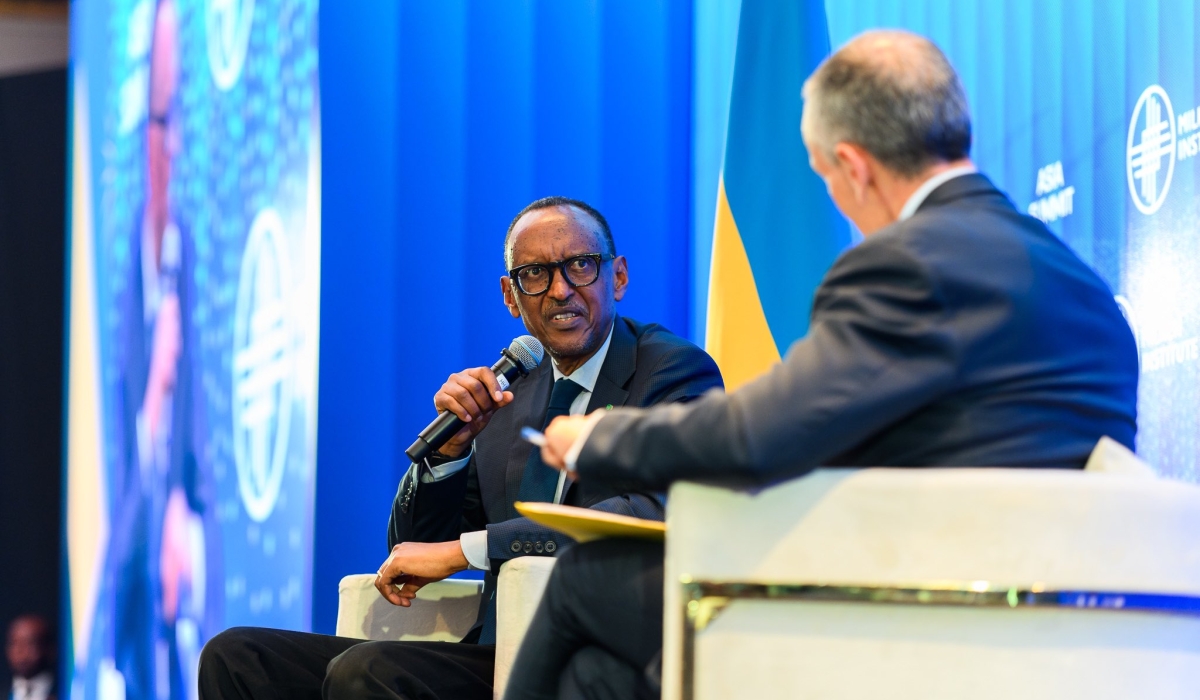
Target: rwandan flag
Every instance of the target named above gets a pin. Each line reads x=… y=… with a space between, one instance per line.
x=777 y=231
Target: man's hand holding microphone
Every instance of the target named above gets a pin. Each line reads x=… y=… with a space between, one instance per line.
x=474 y=395
x=468 y=398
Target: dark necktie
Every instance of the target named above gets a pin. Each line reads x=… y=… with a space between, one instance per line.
x=539 y=482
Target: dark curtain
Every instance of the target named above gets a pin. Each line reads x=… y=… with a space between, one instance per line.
x=33 y=160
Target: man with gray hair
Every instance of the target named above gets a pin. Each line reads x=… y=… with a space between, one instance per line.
x=960 y=332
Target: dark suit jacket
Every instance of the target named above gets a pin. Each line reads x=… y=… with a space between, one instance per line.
x=967 y=335
x=645 y=365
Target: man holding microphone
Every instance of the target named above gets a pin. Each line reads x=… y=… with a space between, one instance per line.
x=454 y=509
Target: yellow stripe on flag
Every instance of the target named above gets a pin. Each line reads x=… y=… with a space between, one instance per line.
x=737 y=335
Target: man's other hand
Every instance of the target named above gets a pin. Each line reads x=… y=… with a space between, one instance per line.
x=561 y=434
x=473 y=395
x=411 y=565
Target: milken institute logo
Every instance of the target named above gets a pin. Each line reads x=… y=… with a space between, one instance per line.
x=1155 y=140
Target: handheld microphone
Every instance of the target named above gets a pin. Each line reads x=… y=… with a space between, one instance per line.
x=521 y=357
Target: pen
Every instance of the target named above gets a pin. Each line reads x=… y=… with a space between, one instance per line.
x=533 y=436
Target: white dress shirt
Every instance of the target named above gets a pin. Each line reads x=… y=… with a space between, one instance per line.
x=916 y=199
x=36 y=688
x=474 y=544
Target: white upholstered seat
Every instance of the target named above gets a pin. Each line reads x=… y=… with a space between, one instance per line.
x=445 y=610
x=809 y=551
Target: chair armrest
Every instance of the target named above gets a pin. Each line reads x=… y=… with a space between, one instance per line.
x=1029 y=529
x=443 y=611
x=518 y=593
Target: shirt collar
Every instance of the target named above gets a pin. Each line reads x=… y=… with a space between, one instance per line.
x=587 y=373
x=918 y=198
x=41 y=681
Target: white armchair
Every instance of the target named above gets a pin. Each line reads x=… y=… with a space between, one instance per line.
x=936 y=583
x=444 y=611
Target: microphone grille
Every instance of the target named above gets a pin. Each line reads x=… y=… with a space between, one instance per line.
x=528 y=351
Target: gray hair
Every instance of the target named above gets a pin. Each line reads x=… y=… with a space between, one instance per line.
x=896 y=95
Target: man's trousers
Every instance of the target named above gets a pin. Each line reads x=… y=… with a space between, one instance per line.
x=265 y=664
x=597 y=633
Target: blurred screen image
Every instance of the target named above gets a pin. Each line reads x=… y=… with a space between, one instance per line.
x=192 y=361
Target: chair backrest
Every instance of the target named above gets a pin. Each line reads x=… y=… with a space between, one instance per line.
x=1016 y=530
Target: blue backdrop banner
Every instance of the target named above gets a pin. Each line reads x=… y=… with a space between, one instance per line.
x=443 y=119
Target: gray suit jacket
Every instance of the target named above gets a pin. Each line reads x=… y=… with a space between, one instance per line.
x=967 y=335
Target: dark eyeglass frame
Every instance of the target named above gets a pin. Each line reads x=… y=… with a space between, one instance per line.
x=560 y=265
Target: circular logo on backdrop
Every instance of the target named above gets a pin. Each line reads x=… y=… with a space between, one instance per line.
x=262 y=366
x=1151 y=138
x=227 y=24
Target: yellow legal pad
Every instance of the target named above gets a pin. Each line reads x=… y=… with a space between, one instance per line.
x=585 y=524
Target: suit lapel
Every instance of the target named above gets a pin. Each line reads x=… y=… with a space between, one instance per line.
x=529 y=404
x=618 y=367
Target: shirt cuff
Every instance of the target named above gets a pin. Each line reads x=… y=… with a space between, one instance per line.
x=572 y=455
x=475 y=547
x=432 y=472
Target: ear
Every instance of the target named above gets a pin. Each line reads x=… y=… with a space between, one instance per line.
x=853 y=162
x=506 y=288
x=620 y=277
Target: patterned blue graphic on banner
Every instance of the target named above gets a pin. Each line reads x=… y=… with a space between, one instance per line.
x=1088 y=115
x=196 y=154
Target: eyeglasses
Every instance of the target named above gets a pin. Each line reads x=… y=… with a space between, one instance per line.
x=578 y=271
